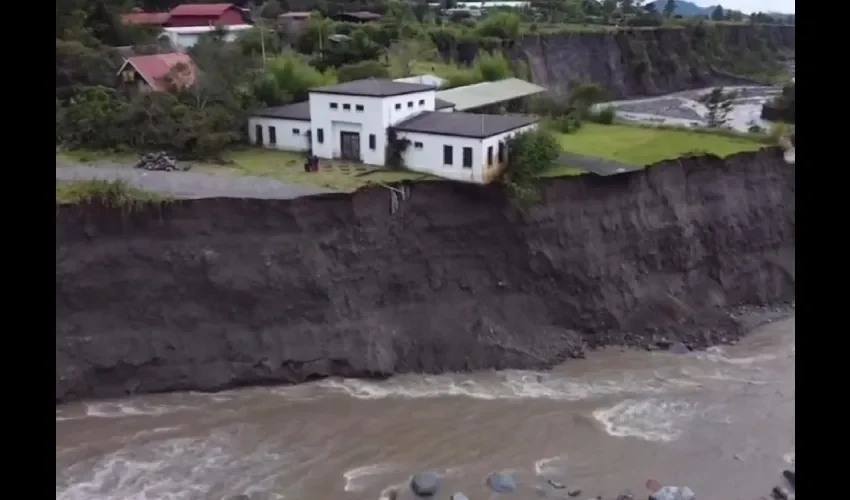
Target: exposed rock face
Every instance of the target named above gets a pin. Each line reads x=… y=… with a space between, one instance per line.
x=651 y=61
x=216 y=293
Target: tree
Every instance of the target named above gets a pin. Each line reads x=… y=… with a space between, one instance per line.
x=403 y=54
x=717 y=14
x=718 y=103
x=669 y=8
x=361 y=70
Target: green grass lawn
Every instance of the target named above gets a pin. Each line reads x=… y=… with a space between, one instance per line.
x=644 y=146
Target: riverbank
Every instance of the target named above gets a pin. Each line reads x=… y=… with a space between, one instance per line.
x=209 y=294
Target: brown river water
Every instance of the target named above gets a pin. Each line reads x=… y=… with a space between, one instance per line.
x=720 y=421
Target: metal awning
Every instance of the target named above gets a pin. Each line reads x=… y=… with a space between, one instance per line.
x=486 y=93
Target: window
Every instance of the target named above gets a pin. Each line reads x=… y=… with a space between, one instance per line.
x=320 y=135
x=447 y=155
x=421 y=102
x=489 y=156
x=372 y=141
x=501 y=153
x=398 y=105
x=358 y=107
x=467 y=157
x=334 y=105
x=272 y=135
x=295 y=131
x=409 y=104
x=346 y=107
x=417 y=145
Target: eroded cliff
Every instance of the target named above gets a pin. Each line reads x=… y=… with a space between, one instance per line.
x=646 y=62
x=215 y=293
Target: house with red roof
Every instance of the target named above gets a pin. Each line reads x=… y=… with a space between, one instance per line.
x=205 y=14
x=158 y=72
x=189 y=15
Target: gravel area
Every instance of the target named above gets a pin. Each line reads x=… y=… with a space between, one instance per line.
x=189 y=184
x=684 y=109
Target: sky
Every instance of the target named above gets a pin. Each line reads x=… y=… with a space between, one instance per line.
x=747 y=6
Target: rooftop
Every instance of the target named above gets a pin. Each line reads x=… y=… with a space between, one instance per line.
x=149 y=18
x=201 y=9
x=464 y=124
x=483 y=94
x=373 y=87
x=296 y=111
x=154 y=68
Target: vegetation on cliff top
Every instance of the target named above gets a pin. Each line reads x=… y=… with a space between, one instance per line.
x=107 y=193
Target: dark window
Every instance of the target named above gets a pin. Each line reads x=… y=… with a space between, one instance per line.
x=447 y=155
x=398 y=106
x=501 y=152
x=320 y=135
x=372 y=141
x=295 y=131
x=346 y=107
x=334 y=105
x=358 y=107
x=489 y=156
x=421 y=102
x=272 y=135
x=409 y=104
x=467 y=157
x=417 y=145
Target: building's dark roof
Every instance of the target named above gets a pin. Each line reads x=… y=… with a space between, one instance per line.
x=373 y=87
x=441 y=104
x=464 y=124
x=296 y=111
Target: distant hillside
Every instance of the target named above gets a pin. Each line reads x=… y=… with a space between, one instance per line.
x=684 y=9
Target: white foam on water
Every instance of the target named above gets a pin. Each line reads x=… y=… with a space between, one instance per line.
x=721 y=376
x=512 y=384
x=719 y=355
x=554 y=466
x=131 y=409
x=173 y=469
x=360 y=478
x=650 y=419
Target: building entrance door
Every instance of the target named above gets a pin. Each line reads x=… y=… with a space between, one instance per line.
x=350 y=145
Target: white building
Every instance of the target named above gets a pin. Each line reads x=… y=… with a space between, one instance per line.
x=350 y=121
x=184 y=37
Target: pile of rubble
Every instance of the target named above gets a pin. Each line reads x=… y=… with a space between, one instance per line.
x=160 y=161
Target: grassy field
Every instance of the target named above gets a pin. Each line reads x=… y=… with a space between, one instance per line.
x=647 y=145
x=115 y=193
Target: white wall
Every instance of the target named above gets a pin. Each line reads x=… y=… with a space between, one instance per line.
x=377 y=115
x=429 y=157
x=183 y=38
x=286 y=139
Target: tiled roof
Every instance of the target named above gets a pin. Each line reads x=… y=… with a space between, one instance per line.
x=150 y=18
x=201 y=9
x=373 y=87
x=296 y=111
x=154 y=68
x=464 y=124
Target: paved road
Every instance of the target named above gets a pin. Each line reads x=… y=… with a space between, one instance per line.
x=189 y=184
x=595 y=165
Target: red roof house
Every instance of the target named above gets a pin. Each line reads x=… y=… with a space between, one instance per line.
x=205 y=14
x=157 y=72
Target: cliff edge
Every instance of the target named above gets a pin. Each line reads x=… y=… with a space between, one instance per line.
x=216 y=293
x=649 y=62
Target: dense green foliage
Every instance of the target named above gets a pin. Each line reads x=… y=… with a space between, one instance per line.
x=529 y=155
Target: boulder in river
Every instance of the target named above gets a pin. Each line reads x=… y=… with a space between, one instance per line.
x=790 y=476
x=501 y=482
x=425 y=484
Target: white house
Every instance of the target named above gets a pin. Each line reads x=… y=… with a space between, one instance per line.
x=350 y=121
x=184 y=37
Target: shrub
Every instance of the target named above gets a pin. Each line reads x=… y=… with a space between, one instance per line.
x=604 y=116
x=529 y=155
